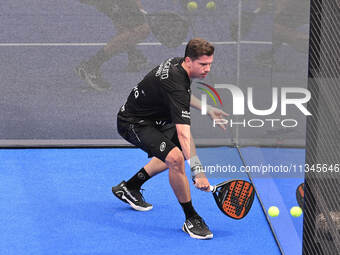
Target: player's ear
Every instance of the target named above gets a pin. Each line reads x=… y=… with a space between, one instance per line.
x=188 y=61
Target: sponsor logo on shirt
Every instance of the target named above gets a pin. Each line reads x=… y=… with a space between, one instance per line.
x=186 y=114
x=163 y=69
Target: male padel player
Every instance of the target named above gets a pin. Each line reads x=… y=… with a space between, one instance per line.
x=156 y=118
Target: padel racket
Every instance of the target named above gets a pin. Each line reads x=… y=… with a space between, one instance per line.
x=234 y=198
x=300 y=194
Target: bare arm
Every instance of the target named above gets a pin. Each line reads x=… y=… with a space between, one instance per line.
x=189 y=151
x=184 y=137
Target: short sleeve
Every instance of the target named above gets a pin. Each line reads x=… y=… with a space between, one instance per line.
x=177 y=98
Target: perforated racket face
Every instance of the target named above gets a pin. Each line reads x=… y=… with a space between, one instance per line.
x=300 y=194
x=235 y=198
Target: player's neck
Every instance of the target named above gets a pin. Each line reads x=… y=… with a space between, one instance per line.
x=186 y=68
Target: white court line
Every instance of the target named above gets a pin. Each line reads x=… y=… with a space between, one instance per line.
x=255 y=42
x=49 y=44
x=103 y=44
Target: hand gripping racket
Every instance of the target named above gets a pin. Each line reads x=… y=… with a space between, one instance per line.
x=234 y=198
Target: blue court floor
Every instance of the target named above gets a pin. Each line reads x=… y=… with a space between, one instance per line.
x=59 y=201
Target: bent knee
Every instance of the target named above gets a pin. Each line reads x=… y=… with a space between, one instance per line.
x=175 y=158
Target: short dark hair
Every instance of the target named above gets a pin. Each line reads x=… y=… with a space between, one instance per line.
x=198 y=47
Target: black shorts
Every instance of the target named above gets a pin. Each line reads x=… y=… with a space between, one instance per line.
x=156 y=138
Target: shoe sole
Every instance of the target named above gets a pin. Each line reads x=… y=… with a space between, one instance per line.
x=136 y=207
x=192 y=235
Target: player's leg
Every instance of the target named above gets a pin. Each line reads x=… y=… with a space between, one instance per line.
x=194 y=225
x=154 y=167
x=161 y=143
x=177 y=177
x=157 y=143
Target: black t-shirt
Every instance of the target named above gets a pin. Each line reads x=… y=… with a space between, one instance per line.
x=163 y=94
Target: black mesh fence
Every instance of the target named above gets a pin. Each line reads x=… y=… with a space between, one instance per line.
x=322 y=200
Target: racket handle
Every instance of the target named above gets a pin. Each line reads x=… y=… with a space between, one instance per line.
x=212 y=188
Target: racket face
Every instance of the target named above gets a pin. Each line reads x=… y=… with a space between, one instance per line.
x=235 y=198
x=300 y=194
